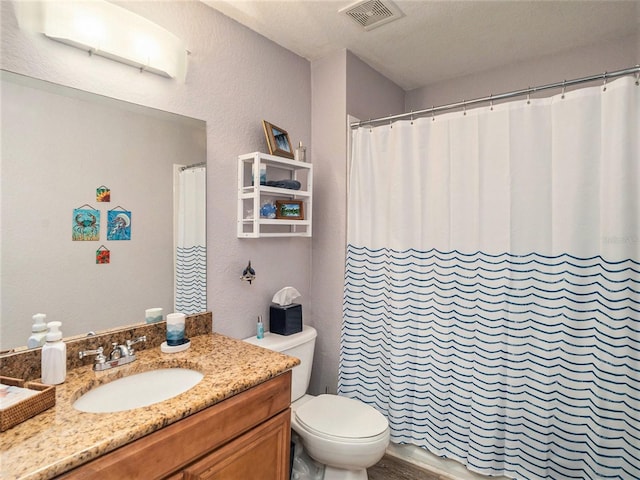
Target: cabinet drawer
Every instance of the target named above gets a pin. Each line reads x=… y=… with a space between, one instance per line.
x=170 y=449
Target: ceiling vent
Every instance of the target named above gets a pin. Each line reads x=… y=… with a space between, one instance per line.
x=371 y=14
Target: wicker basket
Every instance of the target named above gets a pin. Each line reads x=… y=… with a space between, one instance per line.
x=25 y=409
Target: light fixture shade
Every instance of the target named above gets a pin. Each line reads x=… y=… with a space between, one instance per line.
x=110 y=31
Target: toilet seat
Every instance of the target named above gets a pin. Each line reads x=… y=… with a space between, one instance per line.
x=333 y=417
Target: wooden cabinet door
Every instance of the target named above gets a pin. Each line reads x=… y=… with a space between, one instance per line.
x=260 y=454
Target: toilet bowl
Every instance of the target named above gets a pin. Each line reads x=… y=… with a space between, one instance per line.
x=345 y=435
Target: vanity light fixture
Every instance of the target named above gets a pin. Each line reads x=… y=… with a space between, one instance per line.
x=105 y=29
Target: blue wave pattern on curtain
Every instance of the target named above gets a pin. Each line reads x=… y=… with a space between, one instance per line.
x=570 y=398
x=191 y=275
x=492 y=279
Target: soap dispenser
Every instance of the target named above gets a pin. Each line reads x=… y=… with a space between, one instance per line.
x=260 y=328
x=38 y=331
x=54 y=356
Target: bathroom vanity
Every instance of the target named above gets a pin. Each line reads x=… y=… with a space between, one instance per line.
x=235 y=423
x=246 y=436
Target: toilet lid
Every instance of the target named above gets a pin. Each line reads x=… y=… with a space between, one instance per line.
x=341 y=417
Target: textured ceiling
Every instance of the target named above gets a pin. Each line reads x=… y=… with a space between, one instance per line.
x=438 y=40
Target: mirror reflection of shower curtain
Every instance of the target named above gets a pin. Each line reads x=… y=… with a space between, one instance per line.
x=191 y=249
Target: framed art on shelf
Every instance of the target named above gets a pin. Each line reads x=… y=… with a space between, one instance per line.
x=290 y=209
x=277 y=140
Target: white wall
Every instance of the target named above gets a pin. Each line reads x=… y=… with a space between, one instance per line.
x=236 y=78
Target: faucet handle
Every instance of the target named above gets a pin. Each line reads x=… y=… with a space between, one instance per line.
x=100 y=358
x=130 y=343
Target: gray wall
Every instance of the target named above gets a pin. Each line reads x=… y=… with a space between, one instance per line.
x=235 y=79
x=616 y=54
x=342 y=84
x=329 y=139
x=369 y=94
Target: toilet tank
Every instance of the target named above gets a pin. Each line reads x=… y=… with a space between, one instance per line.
x=300 y=345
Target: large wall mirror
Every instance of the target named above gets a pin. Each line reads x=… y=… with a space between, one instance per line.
x=59 y=147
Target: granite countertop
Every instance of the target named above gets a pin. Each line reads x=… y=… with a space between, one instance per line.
x=62 y=438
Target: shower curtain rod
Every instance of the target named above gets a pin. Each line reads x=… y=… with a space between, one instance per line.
x=491 y=98
x=195 y=165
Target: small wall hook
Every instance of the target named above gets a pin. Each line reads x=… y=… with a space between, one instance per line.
x=248 y=274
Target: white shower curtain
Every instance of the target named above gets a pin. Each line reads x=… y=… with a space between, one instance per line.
x=492 y=285
x=191 y=250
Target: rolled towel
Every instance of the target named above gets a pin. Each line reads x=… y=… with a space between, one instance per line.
x=290 y=184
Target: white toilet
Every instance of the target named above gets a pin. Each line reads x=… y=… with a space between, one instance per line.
x=345 y=435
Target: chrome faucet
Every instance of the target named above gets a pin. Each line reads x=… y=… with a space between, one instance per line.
x=120 y=354
x=118 y=351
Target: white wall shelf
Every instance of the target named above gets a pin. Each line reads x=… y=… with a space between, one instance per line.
x=252 y=195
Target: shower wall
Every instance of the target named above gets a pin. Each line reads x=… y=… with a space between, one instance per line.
x=616 y=54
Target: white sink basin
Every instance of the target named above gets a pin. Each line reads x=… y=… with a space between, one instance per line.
x=138 y=390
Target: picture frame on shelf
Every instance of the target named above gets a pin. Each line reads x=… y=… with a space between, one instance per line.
x=290 y=209
x=277 y=140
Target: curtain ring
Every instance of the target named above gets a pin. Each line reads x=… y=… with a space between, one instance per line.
x=411 y=117
x=638 y=78
x=433 y=113
x=491 y=101
x=390 y=123
x=564 y=86
x=529 y=96
x=604 y=82
x=464 y=107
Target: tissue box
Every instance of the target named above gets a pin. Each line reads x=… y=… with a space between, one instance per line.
x=285 y=320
